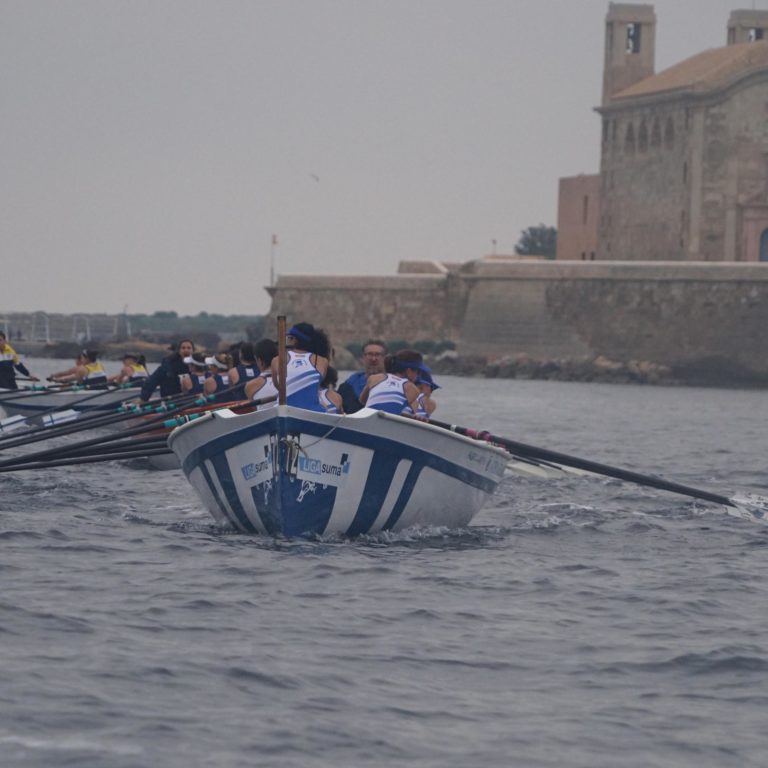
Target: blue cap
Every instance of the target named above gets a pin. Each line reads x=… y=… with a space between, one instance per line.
x=428 y=380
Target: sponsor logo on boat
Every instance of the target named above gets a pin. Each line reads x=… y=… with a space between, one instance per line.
x=321 y=471
x=496 y=466
x=256 y=468
x=491 y=464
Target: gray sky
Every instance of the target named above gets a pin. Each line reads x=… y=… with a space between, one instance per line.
x=149 y=150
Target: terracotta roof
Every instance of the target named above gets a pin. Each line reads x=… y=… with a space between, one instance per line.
x=705 y=71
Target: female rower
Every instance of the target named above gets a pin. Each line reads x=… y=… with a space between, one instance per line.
x=244 y=370
x=308 y=352
x=395 y=391
x=192 y=382
x=330 y=399
x=263 y=386
x=426 y=385
x=218 y=381
x=134 y=370
x=87 y=370
x=168 y=374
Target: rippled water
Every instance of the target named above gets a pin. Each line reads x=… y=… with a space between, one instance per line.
x=578 y=622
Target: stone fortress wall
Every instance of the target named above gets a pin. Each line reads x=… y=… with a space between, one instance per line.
x=685 y=315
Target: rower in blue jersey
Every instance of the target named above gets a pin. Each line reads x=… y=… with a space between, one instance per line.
x=395 y=391
x=192 y=383
x=245 y=370
x=330 y=399
x=425 y=405
x=263 y=387
x=218 y=382
x=308 y=354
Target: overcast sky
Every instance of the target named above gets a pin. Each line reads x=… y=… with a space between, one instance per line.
x=149 y=150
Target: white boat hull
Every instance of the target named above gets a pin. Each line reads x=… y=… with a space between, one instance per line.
x=293 y=472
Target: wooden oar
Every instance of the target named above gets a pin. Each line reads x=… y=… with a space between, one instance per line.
x=757 y=506
x=79 y=423
x=130 y=445
x=98 y=419
x=65 y=462
x=149 y=425
x=153 y=423
x=86 y=399
x=23 y=394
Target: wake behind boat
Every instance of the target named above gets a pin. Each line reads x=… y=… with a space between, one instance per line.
x=289 y=471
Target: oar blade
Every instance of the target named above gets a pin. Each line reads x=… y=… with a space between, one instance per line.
x=749 y=506
x=12 y=424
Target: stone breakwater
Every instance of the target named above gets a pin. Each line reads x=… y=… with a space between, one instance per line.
x=712 y=372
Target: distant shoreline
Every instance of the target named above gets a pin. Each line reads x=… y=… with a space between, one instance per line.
x=704 y=373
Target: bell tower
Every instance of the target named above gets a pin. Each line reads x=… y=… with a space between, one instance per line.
x=630 y=46
x=747 y=26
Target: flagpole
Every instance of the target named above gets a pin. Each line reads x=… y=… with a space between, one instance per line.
x=272 y=255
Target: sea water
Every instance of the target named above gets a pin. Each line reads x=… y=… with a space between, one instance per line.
x=577 y=622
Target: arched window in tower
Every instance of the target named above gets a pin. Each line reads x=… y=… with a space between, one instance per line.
x=656 y=133
x=642 y=137
x=764 y=246
x=633 y=38
x=669 y=134
x=629 y=140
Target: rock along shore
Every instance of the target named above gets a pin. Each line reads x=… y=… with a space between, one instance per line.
x=709 y=372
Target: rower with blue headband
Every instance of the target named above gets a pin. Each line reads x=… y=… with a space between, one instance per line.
x=309 y=351
x=395 y=391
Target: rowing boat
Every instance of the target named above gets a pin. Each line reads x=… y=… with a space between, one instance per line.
x=288 y=471
x=28 y=402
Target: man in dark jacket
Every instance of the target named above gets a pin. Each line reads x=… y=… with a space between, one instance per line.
x=167 y=374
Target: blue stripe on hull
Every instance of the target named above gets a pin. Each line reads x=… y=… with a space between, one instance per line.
x=277 y=500
x=224 y=475
x=377 y=484
x=341 y=435
x=214 y=492
x=263 y=500
x=404 y=497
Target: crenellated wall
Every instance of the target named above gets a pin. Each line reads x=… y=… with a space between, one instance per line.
x=680 y=314
x=351 y=309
